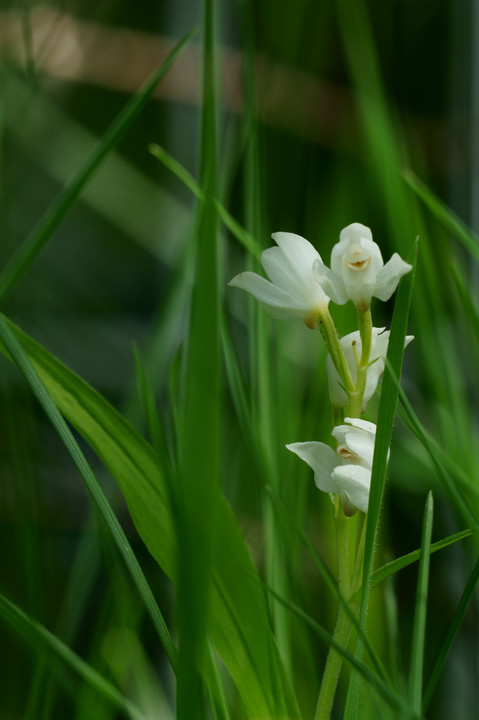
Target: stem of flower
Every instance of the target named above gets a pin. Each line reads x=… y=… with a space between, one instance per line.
x=343 y=623
x=330 y=337
x=365 y=324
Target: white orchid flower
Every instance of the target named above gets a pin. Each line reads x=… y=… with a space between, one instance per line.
x=347 y=471
x=352 y=347
x=293 y=291
x=358 y=272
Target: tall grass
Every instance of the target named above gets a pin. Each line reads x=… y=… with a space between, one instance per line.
x=196 y=576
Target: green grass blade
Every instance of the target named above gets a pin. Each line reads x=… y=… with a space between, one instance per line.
x=177 y=169
x=198 y=477
x=419 y=627
x=415 y=425
x=395 y=700
x=467 y=300
x=445 y=215
x=148 y=401
x=28 y=371
x=45 y=642
x=242 y=235
x=391 y=568
x=239 y=623
x=330 y=581
x=451 y=634
x=386 y=413
x=27 y=253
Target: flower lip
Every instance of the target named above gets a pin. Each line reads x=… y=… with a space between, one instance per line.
x=346 y=454
x=358 y=264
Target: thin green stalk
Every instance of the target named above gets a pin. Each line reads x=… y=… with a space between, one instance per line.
x=342 y=630
x=330 y=337
x=419 y=628
x=365 y=331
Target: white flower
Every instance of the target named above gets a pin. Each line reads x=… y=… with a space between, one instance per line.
x=352 y=347
x=358 y=272
x=293 y=291
x=347 y=471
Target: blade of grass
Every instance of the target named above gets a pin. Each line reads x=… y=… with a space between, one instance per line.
x=331 y=582
x=422 y=436
x=468 y=239
x=391 y=568
x=198 y=477
x=44 y=641
x=240 y=628
x=451 y=634
x=419 y=627
x=396 y=701
x=27 y=253
x=31 y=376
x=242 y=235
x=386 y=413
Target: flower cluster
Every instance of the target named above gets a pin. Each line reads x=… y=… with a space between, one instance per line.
x=301 y=286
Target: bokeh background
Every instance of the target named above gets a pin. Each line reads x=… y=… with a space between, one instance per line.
x=321 y=107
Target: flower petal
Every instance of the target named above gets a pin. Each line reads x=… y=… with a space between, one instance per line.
x=331 y=283
x=275 y=300
x=388 y=277
x=363 y=425
x=354 y=482
x=291 y=266
x=298 y=251
x=356 y=441
x=281 y=272
x=322 y=459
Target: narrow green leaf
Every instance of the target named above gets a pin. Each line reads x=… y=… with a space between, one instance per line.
x=395 y=700
x=445 y=215
x=419 y=627
x=41 y=393
x=45 y=642
x=198 y=476
x=391 y=568
x=331 y=582
x=239 y=622
x=177 y=169
x=451 y=634
x=242 y=235
x=415 y=425
x=27 y=253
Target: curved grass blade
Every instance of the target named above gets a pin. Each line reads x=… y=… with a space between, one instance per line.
x=44 y=641
x=28 y=371
x=239 y=626
x=396 y=701
x=419 y=627
x=27 y=253
x=330 y=582
x=451 y=634
x=444 y=214
x=416 y=427
x=391 y=568
x=242 y=235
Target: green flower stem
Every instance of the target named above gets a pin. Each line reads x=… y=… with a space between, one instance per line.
x=330 y=337
x=366 y=333
x=342 y=630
